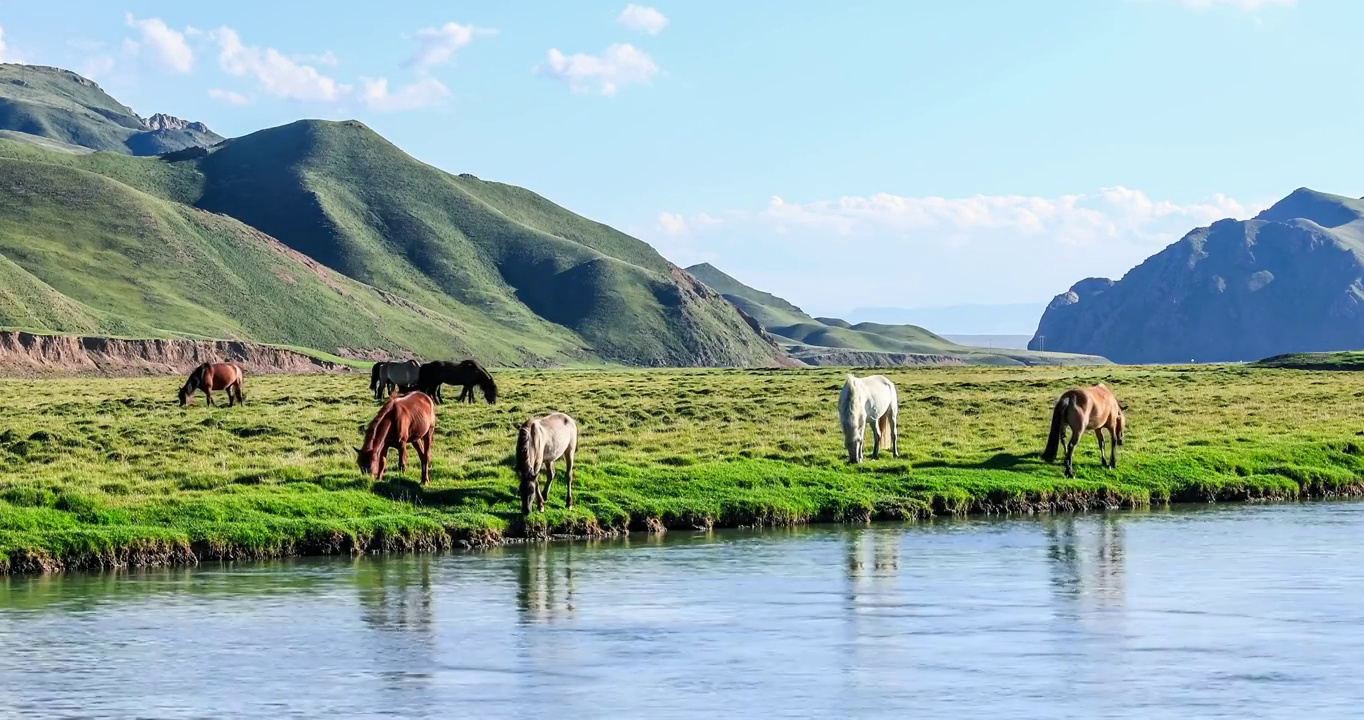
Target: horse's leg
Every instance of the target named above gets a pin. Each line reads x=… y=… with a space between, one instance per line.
x=1075 y=435
x=1103 y=455
x=424 y=452
x=548 y=484
x=572 y=456
x=894 y=432
x=1114 y=437
x=402 y=456
x=208 y=395
x=383 y=465
x=875 y=438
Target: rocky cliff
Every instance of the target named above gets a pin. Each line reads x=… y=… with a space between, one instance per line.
x=28 y=355
x=1290 y=279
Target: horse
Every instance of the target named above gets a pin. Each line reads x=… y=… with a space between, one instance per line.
x=403 y=420
x=869 y=399
x=541 y=442
x=466 y=373
x=393 y=376
x=1083 y=409
x=214 y=376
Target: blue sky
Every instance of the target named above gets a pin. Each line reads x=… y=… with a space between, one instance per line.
x=847 y=154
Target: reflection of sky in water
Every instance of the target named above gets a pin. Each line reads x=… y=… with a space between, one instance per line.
x=1244 y=612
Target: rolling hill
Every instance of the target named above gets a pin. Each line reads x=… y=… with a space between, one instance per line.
x=57 y=108
x=325 y=235
x=825 y=341
x=1289 y=280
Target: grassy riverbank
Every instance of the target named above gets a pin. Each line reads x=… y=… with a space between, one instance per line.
x=110 y=472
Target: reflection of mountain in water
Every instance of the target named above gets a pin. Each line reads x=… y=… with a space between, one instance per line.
x=544 y=591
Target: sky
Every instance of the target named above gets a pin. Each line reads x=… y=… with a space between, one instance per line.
x=839 y=154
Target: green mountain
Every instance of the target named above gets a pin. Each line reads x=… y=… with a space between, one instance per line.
x=833 y=341
x=1289 y=280
x=325 y=235
x=58 y=108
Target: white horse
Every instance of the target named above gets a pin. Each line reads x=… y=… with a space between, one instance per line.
x=869 y=400
x=541 y=442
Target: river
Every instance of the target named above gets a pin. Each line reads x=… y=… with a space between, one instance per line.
x=1251 y=611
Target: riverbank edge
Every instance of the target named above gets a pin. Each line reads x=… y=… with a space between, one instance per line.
x=116 y=548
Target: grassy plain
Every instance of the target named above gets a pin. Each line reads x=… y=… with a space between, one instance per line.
x=97 y=473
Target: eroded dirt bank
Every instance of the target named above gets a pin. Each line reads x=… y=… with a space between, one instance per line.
x=25 y=354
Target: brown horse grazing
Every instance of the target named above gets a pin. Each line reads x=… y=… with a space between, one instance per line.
x=1084 y=409
x=214 y=376
x=403 y=420
x=540 y=443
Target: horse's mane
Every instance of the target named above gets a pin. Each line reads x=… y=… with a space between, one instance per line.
x=527 y=451
x=849 y=402
x=384 y=416
x=483 y=378
x=196 y=378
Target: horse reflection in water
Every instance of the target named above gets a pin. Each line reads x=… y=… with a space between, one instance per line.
x=396 y=595
x=1086 y=559
x=544 y=588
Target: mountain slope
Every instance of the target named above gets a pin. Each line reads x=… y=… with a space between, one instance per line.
x=46 y=105
x=424 y=261
x=1289 y=280
x=823 y=341
x=80 y=252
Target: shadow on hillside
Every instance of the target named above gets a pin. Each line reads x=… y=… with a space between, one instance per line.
x=999 y=461
x=404 y=490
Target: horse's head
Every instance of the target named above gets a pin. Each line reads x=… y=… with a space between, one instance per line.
x=368 y=462
x=187 y=394
x=489 y=390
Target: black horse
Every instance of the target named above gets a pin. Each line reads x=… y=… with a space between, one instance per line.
x=466 y=373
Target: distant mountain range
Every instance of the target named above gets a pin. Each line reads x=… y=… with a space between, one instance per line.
x=1289 y=280
x=1000 y=319
x=323 y=235
x=831 y=341
x=59 y=109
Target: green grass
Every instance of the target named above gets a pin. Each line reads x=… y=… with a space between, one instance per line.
x=111 y=472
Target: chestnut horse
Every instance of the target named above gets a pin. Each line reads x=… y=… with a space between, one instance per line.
x=403 y=420
x=214 y=376
x=1083 y=409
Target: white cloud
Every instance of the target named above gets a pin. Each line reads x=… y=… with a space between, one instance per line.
x=894 y=250
x=1243 y=5
x=644 y=19
x=97 y=67
x=278 y=74
x=166 y=46
x=231 y=97
x=6 y=55
x=327 y=58
x=437 y=45
x=618 y=66
x=420 y=94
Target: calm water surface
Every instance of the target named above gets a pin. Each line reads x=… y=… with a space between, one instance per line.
x=1239 y=612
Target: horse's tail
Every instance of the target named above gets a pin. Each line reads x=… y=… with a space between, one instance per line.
x=1058 y=418
x=241 y=383
x=884 y=424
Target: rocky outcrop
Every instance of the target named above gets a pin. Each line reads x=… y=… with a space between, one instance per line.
x=162 y=121
x=1289 y=280
x=25 y=354
x=856 y=358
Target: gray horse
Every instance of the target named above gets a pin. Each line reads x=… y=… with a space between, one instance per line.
x=388 y=377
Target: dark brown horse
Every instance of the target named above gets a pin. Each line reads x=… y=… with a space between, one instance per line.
x=466 y=373
x=403 y=420
x=1084 y=409
x=209 y=377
